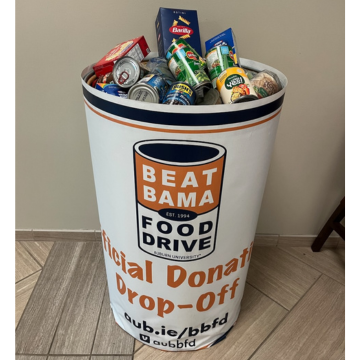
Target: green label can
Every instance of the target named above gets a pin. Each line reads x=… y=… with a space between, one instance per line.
x=179 y=44
x=218 y=59
x=185 y=67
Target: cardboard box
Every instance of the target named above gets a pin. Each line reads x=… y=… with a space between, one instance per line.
x=172 y=24
x=136 y=48
x=227 y=37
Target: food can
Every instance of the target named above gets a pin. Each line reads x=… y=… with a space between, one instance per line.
x=185 y=67
x=266 y=83
x=112 y=89
x=179 y=44
x=127 y=72
x=218 y=59
x=151 y=88
x=234 y=86
x=212 y=97
x=180 y=93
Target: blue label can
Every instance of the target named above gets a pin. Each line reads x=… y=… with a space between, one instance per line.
x=180 y=93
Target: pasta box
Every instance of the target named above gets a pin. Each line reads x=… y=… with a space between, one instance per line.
x=172 y=24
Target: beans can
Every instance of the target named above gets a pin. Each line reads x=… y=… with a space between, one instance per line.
x=127 y=72
x=266 y=83
x=185 y=67
x=179 y=44
x=218 y=59
x=180 y=93
x=151 y=88
x=234 y=86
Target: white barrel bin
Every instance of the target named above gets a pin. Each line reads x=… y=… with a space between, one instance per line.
x=179 y=190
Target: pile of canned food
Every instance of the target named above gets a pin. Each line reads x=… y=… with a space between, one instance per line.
x=180 y=75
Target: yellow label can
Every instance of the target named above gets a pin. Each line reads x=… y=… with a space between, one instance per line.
x=234 y=86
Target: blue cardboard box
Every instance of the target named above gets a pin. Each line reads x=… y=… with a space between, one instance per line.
x=172 y=24
x=227 y=37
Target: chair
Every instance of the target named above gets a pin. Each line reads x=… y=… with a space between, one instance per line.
x=333 y=224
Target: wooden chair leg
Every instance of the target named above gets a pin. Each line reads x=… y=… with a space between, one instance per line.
x=332 y=224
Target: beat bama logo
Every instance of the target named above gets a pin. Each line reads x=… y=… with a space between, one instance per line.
x=178 y=192
x=181 y=30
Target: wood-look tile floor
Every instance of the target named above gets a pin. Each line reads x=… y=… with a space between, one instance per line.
x=293 y=307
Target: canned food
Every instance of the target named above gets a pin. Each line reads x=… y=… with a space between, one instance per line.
x=212 y=97
x=179 y=44
x=112 y=89
x=218 y=59
x=180 y=93
x=127 y=72
x=234 y=86
x=185 y=67
x=266 y=83
x=151 y=88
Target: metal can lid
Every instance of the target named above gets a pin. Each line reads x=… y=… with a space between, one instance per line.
x=144 y=92
x=126 y=72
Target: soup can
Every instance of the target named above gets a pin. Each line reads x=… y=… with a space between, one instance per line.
x=234 y=86
x=266 y=83
x=180 y=93
x=151 y=88
x=218 y=59
x=127 y=72
x=185 y=67
x=179 y=44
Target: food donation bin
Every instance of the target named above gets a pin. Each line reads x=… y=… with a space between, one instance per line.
x=179 y=190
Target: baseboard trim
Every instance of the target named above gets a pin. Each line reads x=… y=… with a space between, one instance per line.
x=95 y=235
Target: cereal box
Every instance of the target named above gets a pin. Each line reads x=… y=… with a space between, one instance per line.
x=172 y=24
x=226 y=37
x=136 y=48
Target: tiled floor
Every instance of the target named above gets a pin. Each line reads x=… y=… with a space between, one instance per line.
x=293 y=306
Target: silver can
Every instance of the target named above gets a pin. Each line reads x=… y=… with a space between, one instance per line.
x=127 y=72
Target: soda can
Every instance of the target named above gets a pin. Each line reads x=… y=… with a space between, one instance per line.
x=234 y=86
x=266 y=83
x=127 y=72
x=151 y=88
x=218 y=59
x=112 y=89
x=185 y=67
x=179 y=44
x=180 y=93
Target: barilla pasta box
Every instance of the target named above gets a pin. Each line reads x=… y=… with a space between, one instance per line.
x=136 y=48
x=226 y=37
x=172 y=24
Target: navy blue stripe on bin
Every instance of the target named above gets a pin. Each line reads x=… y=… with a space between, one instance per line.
x=178 y=119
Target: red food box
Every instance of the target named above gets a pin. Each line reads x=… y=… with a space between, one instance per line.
x=136 y=48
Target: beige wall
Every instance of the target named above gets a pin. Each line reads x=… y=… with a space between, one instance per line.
x=55 y=40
